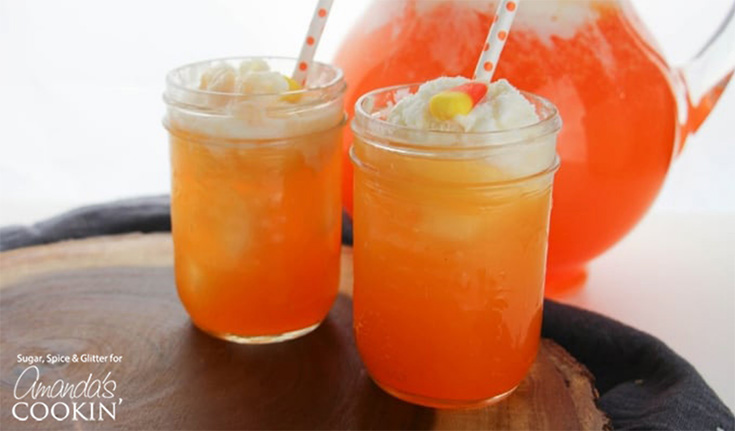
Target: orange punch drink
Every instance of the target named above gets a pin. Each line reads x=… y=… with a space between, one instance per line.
x=450 y=234
x=255 y=202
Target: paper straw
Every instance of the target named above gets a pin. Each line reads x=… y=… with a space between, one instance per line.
x=495 y=42
x=306 y=57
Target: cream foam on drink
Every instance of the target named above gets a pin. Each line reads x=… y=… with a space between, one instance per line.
x=252 y=77
x=250 y=101
x=547 y=19
x=503 y=108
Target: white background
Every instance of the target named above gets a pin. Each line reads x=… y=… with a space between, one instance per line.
x=80 y=122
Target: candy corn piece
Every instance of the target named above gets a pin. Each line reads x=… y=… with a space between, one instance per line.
x=292 y=86
x=457 y=101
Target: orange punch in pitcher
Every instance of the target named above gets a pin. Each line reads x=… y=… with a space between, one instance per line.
x=627 y=112
x=450 y=237
x=255 y=203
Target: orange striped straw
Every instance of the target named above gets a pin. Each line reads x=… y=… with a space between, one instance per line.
x=495 y=42
x=306 y=57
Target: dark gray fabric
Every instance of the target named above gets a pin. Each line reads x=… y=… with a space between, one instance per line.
x=147 y=214
x=643 y=384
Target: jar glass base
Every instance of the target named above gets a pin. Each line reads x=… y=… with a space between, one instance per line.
x=442 y=403
x=262 y=339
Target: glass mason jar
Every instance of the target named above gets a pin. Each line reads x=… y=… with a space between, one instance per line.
x=255 y=202
x=450 y=240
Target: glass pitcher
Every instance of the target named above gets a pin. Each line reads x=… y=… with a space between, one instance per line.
x=626 y=112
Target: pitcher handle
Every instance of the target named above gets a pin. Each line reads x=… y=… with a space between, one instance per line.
x=707 y=74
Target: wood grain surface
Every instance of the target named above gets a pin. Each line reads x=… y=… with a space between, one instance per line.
x=116 y=295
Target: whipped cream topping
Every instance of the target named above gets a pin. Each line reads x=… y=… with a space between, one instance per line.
x=252 y=77
x=248 y=100
x=503 y=108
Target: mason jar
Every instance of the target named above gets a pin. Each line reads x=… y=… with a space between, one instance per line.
x=450 y=240
x=255 y=202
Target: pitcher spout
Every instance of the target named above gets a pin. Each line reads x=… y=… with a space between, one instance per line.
x=706 y=76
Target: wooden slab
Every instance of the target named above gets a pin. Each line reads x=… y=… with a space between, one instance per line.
x=116 y=295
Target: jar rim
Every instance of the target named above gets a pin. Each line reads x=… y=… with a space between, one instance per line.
x=266 y=116
x=502 y=183
x=369 y=124
x=174 y=81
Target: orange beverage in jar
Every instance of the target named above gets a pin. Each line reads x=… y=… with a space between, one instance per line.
x=255 y=205
x=450 y=239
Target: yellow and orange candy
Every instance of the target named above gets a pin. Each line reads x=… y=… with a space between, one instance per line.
x=457 y=101
x=292 y=86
